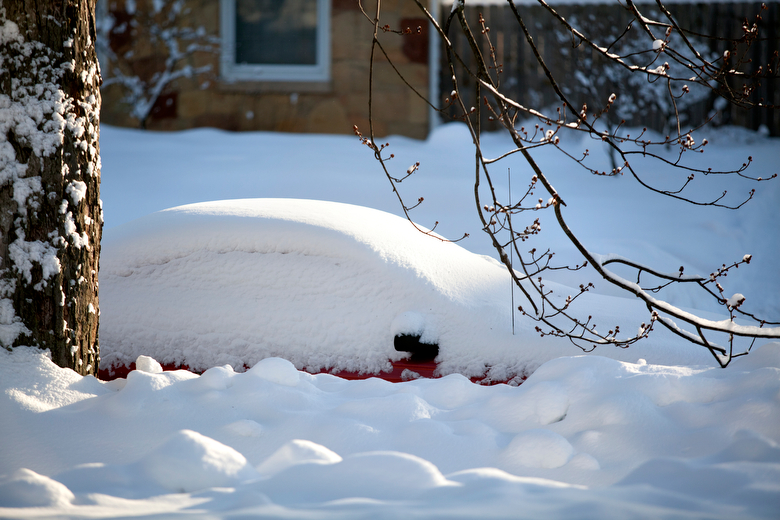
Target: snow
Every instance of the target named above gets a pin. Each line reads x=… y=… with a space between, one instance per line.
x=246 y=267
x=583 y=437
x=188 y=461
x=234 y=282
x=735 y=301
x=24 y=253
x=354 y=288
x=148 y=365
x=77 y=191
x=145 y=173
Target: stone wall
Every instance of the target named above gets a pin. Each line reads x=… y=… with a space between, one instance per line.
x=206 y=100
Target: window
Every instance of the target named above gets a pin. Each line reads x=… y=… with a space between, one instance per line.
x=275 y=40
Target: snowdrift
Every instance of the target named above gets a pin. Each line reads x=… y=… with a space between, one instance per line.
x=324 y=285
x=582 y=437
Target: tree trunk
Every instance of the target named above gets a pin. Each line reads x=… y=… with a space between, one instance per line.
x=50 y=211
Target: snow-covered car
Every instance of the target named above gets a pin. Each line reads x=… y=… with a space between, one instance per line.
x=330 y=287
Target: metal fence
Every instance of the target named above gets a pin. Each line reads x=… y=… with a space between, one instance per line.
x=587 y=78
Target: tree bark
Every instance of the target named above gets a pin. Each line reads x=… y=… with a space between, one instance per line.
x=50 y=211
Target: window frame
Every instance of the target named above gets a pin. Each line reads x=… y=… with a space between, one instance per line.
x=232 y=71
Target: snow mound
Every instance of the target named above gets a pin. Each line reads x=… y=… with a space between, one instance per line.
x=538 y=448
x=148 y=365
x=372 y=475
x=189 y=461
x=59 y=387
x=296 y=452
x=324 y=285
x=276 y=370
x=26 y=488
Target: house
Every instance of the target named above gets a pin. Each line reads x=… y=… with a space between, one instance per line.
x=303 y=65
x=272 y=65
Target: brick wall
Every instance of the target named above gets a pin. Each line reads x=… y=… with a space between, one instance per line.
x=207 y=100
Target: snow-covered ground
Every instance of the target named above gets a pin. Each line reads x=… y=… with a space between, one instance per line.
x=583 y=438
x=654 y=431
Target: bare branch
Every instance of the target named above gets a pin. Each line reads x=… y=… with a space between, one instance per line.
x=555 y=314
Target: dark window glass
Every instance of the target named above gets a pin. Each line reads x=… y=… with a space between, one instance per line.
x=276 y=32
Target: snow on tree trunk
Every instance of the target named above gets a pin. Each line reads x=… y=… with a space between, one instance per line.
x=50 y=210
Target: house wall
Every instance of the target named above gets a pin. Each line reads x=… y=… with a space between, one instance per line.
x=207 y=100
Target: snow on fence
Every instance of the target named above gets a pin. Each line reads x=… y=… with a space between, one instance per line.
x=586 y=78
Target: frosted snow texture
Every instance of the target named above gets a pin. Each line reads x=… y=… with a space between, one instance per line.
x=583 y=437
x=321 y=284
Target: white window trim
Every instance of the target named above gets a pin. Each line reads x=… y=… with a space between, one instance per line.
x=232 y=71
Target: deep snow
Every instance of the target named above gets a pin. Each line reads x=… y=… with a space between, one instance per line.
x=326 y=286
x=582 y=437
